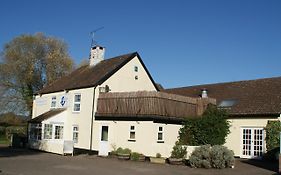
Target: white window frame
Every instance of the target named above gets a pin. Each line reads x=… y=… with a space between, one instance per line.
x=75 y=138
x=53 y=102
x=160 y=132
x=51 y=132
x=77 y=102
x=132 y=129
x=35 y=132
x=59 y=134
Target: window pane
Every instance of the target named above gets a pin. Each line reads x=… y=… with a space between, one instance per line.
x=76 y=107
x=160 y=136
x=48 y=131
x=53 y=102
x=132 y=128
x=35 y=132
x=104 y=133
x=75 y=134
x=77 y=98
x=58 y=132
x=132 y=135
x=160 y=128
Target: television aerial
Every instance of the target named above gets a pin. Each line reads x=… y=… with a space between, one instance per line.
x=93 y=33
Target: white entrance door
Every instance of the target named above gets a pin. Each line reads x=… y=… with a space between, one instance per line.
x=103 y=146
x=252 y=142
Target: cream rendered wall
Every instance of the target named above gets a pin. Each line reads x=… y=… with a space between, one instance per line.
x=124 y=79
x=81 y=119
x=146 y=136
x=234 y=140
x=53 y=145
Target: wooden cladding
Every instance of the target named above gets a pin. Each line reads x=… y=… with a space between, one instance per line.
x=150 y=104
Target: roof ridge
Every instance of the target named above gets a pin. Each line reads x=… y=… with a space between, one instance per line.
x=227 y=82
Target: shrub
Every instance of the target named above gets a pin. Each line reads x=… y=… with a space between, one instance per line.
x=135 y=156
x=123 y=151
x=273 y=129
x=212 y=128
x=158 y=155
x=179 y=151
x=2 y=130
x=212 y=157
x=221 y=157
x=20 y=130
x=200 y=157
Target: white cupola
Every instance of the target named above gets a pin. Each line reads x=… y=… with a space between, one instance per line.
x=96 y=55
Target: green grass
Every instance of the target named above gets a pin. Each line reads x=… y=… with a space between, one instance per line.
x=4 y=140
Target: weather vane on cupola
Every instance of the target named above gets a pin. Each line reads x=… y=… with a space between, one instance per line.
x=93 y=33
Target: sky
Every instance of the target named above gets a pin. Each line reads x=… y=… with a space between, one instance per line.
x=182 y=42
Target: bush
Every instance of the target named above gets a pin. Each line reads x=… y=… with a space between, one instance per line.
x=221 y=157
x=273 y=129
x=2 y=130
x=123 y=151
x=212 y=128
x=200 y=157
x=212 y=157
x=179 y=151
x=19 y=130
x=158 y=155
x=135 y=156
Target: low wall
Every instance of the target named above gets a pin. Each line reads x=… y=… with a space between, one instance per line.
x=48 y=146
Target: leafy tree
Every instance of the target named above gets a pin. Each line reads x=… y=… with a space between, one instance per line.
x=28 y=62
x=273 y=129
x=211 y=128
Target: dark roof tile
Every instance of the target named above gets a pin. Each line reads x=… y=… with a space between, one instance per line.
x=87 y=76
x=253 y=97
x=46 y=115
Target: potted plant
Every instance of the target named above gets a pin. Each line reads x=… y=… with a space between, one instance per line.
x=178 y=154
x=123 y=154
x=158 y=159
x=137 y=157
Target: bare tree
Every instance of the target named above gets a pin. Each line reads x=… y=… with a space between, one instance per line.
x=29 y=62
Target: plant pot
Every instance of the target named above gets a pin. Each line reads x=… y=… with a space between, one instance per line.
x=176 y=161
x=157 y=160
x=142 y=158
x=123 y=156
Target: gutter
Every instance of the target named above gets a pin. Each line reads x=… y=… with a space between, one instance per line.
x=92 y=119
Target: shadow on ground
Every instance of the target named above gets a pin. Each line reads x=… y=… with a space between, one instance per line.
x=268 y=165
x=6 y=151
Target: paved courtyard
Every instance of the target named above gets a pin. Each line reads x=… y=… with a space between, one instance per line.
x=28 y=162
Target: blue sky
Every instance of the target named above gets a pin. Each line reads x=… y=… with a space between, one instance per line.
x=182 y=42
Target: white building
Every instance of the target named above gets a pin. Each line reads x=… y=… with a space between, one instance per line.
x=66 y=109
x=115 y=103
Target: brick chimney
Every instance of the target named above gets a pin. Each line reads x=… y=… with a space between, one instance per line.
x=97 y=55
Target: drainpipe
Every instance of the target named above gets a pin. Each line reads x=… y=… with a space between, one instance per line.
x=92 y=119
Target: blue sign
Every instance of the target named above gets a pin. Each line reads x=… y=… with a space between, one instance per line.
x=62 y=101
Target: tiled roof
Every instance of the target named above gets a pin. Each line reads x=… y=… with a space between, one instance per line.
x=87 y=76
x=46 y=115
x=251 y=97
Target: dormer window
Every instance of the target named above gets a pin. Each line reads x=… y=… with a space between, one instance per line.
x=53 y=102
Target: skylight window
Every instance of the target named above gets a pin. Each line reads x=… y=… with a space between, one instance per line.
x=227 y=103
